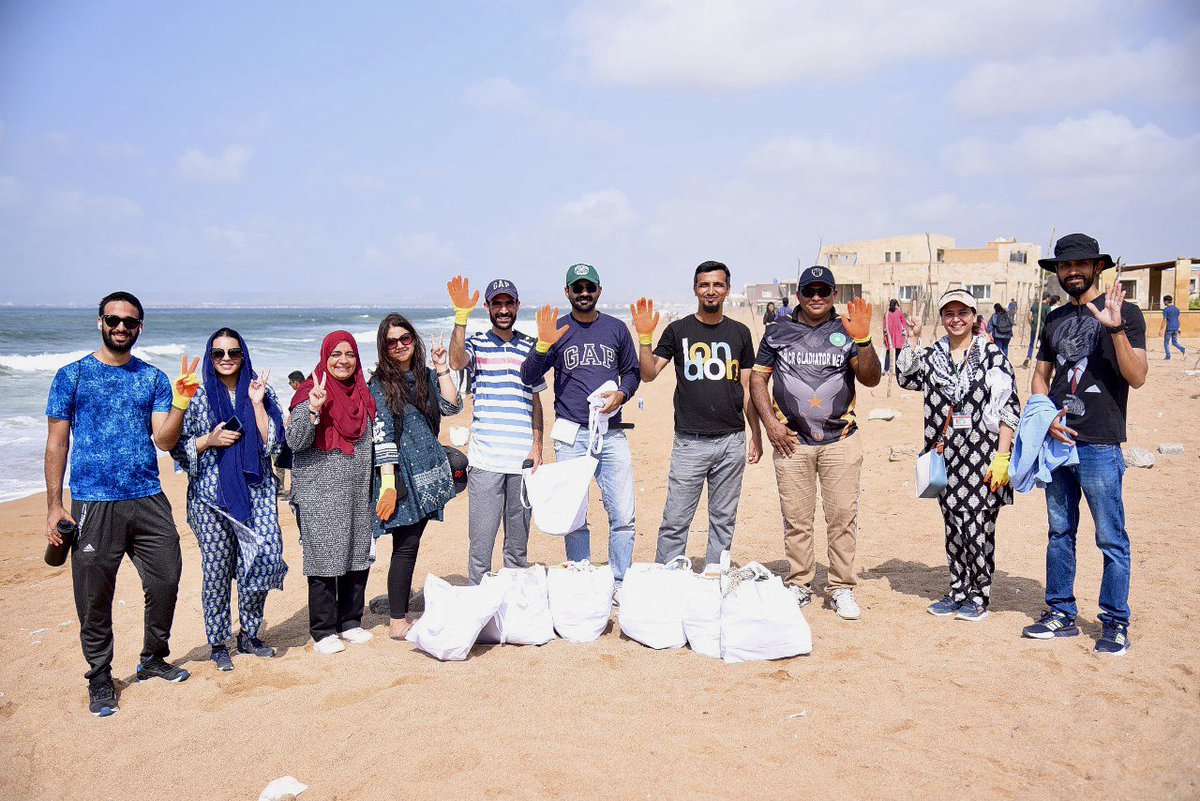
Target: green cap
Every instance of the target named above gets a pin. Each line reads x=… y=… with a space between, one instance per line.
x=582 y=272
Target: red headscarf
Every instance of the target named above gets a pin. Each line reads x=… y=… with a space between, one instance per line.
x=349 y=407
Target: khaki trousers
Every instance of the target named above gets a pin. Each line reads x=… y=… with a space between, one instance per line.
x=838 y=466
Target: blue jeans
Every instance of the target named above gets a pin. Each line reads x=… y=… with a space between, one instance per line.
x=1172 y=338
x=1098 y=478
x=614 y=474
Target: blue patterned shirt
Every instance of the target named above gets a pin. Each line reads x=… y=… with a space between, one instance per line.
x=113 y=457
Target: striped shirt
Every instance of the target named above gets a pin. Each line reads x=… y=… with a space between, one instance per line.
x=502 y=428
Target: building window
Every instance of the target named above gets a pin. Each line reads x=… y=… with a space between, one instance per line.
x=941 y=254
x=1130 y=288
x=847 y=292
x=896 y=256
x=910 y=292
x=980 y=291
x=1018 y=256
x=887 y=256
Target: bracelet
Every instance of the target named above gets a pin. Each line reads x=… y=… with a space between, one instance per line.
x=862 y=342
x=443 y=372
x=1116 y=329
x=645 y=339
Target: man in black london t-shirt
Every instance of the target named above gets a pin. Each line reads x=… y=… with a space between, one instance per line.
x=713 y=357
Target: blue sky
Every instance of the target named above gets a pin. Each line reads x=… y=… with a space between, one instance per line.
x=366 y=152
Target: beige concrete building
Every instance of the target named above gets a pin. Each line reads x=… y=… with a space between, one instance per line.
x=919 y=265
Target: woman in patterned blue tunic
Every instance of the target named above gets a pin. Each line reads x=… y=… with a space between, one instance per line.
x=231 y=503
x=415 y=480
x=967 y=378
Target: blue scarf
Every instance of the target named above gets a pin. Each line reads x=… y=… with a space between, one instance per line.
x=241 y=465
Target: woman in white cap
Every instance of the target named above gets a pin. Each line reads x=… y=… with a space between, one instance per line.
x=971 y=404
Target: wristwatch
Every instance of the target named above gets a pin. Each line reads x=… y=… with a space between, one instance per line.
x=1115 y=329
x=443 y=372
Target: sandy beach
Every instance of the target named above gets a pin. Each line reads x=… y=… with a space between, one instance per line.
x=898 y=704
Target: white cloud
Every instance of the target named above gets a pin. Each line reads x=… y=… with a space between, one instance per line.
x=744 y=43
x=503 y=96
x=76 y=206
x=225 y=168
x=419 y=249
x=813 y=156
x=1067 y=80
x=600 y=212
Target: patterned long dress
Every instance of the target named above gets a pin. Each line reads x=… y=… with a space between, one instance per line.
x=984 y=388
x=331 y=495
x=228 y=548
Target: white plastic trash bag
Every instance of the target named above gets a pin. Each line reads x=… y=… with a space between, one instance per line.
x=524 y=615
x=580 y=599
x=652 y=598
x=453 y=617
x=702 y=614
x=760 y=619
x=558 y=493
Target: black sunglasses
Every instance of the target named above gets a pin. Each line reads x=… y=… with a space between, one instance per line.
x=582 y=287
x=113 y=320
x=403 y=339
x=217 y=354
x=813 y=290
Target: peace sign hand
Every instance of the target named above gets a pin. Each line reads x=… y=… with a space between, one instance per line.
x=437 y=353
x=317 y=395
x=186 y=385
x=547 y=324
x=258 y=388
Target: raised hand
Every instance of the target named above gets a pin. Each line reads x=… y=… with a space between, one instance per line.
x=220 y=438
x=461 y=298
x=1110 y=315
x=547 y=325
x=317 y=395
x=437 y=353
x=645 y=319
x=258 y=388
x=186 y=385
x=857 y=319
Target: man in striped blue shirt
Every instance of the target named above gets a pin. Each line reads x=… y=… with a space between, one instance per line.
x=507 y=427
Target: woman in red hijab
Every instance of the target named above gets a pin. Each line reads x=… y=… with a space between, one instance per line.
x=329 y=432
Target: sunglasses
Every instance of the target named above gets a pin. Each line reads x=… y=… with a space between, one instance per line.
x=815 y=290
x=114 y=320
x=403 y=339
x=583 y=287
x=217 y=354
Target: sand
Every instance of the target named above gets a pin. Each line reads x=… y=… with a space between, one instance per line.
x=896 y=705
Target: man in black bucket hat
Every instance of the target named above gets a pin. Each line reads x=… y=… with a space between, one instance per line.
x=1091 y=351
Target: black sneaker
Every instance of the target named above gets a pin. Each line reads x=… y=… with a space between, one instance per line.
x=1114 y=640
x=254 y=646
x=157 y=668
x=220 y=657
x=102 y=699
x=1051 y=624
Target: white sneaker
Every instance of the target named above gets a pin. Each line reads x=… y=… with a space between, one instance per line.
x=846 y=606
x=329 y=645
x=357 y=635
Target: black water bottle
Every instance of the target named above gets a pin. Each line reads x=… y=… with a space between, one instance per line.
x=56 y=555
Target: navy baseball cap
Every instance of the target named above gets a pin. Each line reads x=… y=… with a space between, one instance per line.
x=817 y=275
x=501 y=286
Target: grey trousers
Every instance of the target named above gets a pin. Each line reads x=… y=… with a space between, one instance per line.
x=720 y=461
x=493 y=497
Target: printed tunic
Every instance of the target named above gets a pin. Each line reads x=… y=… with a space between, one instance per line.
x=984 y=388
x=331 y=495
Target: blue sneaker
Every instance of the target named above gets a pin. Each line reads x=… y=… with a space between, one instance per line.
x=220 y=657
x=1114 y=640
x=944 y=608
x=157 y=668
x=1051 y=624
x=971 y=611
x=102 y=699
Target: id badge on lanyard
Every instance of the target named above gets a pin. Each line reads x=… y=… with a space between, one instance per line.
x=960 y=421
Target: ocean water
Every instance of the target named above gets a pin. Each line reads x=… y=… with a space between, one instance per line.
x=35 y=342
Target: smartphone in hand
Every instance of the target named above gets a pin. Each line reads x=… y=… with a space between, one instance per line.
x=235 y=425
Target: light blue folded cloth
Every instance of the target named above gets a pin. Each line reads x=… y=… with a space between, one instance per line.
x=1036 y=454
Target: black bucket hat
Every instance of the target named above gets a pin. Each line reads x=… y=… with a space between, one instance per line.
x=458 y=468
x=1076 y=247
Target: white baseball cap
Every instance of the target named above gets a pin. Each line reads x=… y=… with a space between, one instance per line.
x=960 y=295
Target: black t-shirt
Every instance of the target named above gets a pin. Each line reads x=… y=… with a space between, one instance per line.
x=709 y=360
x=1087 y=379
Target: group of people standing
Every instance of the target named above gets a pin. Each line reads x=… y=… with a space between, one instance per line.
x=366 y=460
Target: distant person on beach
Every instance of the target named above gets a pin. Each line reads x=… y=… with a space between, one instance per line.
x=590 y=349
x=329 y=432
x=506 y=423
x=894 y=323
x=1092 y=351
x=713 y=358
x=971 y=410
x=1038 y=311
x=415 y=480
x=230 y=431
x=1000 y=328
x=283 y=460
x=1170 y=324
x=785 y=313
x=813 y=363
x=119 y=409
x=295 y=379
x=768 y=317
